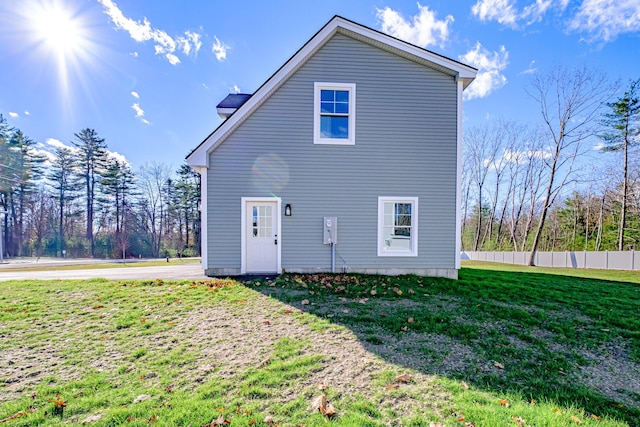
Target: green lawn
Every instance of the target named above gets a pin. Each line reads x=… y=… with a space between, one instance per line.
x=502 y=346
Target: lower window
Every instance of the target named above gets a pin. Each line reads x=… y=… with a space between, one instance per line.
x=397 y=226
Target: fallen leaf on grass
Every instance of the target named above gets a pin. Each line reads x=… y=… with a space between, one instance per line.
x=92 y=419
x=503 y=402
x=305 y=302
x=498 y=365
x=16 y=415
x=405 y=328
x=264 y=363
x=142 y=398
x=436 y=425
x=390 y=386
x=464 y=385
x=404 y=378
x=595 y=417
x=287 y=311
x=397 y=291
x=322 y=386
x=153 y=419
x=320 y=404
x=576 y=419
x=411 y=291
x=410 y=320
x=363 y=301
x=268 y=420
x=96 y=307
x=373 y=292
x=520 y=422
x=220 y=421
x=266 y=322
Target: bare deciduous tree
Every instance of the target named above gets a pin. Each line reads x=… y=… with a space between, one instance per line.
x=570 y=102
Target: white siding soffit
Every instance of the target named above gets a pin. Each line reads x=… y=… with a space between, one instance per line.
x=199 y=157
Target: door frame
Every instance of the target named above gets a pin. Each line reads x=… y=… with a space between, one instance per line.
x=243 y=227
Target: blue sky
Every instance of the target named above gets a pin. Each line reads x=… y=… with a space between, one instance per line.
x=147 y=74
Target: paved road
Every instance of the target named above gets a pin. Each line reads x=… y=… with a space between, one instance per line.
x=165 y=272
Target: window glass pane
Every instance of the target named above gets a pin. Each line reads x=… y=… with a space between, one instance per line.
x=327 y=95
x=342 y=96
x=342 y=108
x=334 y=127
x=327 y=107
x=397 y=226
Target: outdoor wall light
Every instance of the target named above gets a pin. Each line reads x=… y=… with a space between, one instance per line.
x=287 y=210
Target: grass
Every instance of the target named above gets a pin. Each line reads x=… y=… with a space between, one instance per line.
x=502 y=346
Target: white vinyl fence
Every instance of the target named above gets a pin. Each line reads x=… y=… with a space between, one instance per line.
x=608 y=260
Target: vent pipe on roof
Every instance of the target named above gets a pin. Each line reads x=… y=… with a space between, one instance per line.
x=231 y=103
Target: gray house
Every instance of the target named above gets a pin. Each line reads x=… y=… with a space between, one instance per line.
x=346 y=159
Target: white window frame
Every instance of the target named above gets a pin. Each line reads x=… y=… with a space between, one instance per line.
x=351 y=88
x=413 y=251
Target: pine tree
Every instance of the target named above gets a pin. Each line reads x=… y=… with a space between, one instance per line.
x=91 y=156
x=65 y=184
x=623 y=123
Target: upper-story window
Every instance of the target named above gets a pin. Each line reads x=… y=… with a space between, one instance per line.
x=334 y=113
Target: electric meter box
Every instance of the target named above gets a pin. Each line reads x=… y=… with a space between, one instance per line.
x=330 y=226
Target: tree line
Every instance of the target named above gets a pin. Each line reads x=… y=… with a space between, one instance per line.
x=570 y=182
x=83 y=201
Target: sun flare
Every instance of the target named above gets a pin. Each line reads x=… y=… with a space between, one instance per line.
x=57 y=29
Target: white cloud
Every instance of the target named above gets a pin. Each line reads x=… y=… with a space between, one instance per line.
x=134 y=54
x=119 y=157
x=219 y=49
x=604 y=20
x=235 y=89
x=26 y=113
x=501 y=11
x=522 y=156
x=490 y=66
x=55 y=143
x=135 y=94
x=173 y=60
x=190 y=42
x=506 y=13
x=165 y=46
x=13 y=114
x=532 y=68
x=422 y=30
x=139 y=111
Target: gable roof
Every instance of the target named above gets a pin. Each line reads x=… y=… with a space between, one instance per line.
x=199 y=156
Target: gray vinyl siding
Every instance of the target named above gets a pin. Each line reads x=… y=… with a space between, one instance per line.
x=405 y=147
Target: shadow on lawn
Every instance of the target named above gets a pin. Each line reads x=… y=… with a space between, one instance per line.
x=562 y=339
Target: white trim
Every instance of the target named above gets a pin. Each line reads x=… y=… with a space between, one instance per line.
x=224 y=113
x=414 y=226
x=204 y=238
x=199 y=156
x=458 y=249
x=351 y=88
x=243 y=233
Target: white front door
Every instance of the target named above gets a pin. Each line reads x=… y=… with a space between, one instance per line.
x=261 y=236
